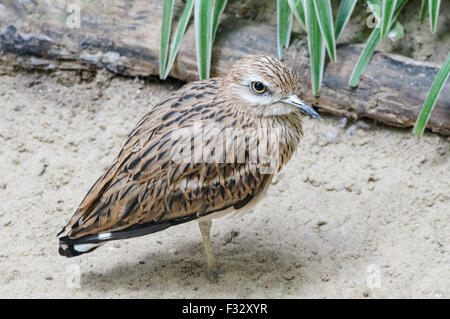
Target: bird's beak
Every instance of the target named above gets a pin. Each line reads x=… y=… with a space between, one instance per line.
x=294 y=100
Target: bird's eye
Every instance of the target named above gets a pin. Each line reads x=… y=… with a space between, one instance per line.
x=258 y=87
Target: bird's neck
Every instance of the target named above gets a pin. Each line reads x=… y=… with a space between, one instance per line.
x=289 y=129
x=282 y=133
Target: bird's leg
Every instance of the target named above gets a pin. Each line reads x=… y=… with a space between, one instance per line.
x=205 y=228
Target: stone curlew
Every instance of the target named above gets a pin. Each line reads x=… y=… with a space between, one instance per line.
x=209 y=149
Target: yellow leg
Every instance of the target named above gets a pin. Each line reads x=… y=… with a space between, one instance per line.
x=205 y=228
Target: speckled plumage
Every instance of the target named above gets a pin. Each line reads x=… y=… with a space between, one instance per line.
x=161 y=176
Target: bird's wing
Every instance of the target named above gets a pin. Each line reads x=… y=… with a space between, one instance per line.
x=156 y=179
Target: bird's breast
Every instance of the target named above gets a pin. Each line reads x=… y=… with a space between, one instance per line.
x=283 y=134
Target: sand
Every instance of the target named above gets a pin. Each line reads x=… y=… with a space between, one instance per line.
x=361 y=211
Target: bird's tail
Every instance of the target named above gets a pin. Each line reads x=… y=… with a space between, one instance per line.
x=70 y=248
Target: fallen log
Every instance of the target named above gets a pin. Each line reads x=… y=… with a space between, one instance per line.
x=123 y=36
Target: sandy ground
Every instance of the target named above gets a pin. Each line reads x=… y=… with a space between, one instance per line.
x=361 y=210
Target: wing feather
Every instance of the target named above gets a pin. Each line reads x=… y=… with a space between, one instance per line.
x=155 y=180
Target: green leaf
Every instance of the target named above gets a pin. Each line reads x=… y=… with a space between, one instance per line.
x=423 y=10
x=432 y=96
x=219 y=6
x=203 y=15
x=325 y=18
x=433 y=8
x=316 y=46
x=344 y=13
x=398 y=7
x=375 y=7
x=386 y=15
x=284 y=25
x=165 y=36
x=179 y=33
x=298 y=11
x=365 y=57
x=396 y=31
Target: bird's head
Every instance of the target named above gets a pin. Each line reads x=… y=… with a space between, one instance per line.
x=266 y=86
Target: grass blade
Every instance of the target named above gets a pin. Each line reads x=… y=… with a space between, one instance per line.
x=396 y=32
x=284 y=25
x=433 y=8
x=344 y=13
x=395 y=29
x=165 y=36
x=298 y=11
x=365 y=57
x=375 y=7
x=325 y=20
x=316 y=46
x=386 y=15
x=179 y=33
x=203 y=16
x=398 y=7
x=432 y=96
x=219 y=6
x=423 y=10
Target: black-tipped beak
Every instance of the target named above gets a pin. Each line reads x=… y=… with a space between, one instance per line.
x=294 y=100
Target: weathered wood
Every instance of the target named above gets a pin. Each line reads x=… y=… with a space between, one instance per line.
x=123 y=36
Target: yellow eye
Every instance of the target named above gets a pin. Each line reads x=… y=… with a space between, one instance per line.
x=258 y=87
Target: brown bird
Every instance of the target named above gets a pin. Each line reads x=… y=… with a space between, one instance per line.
x=209 y=149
